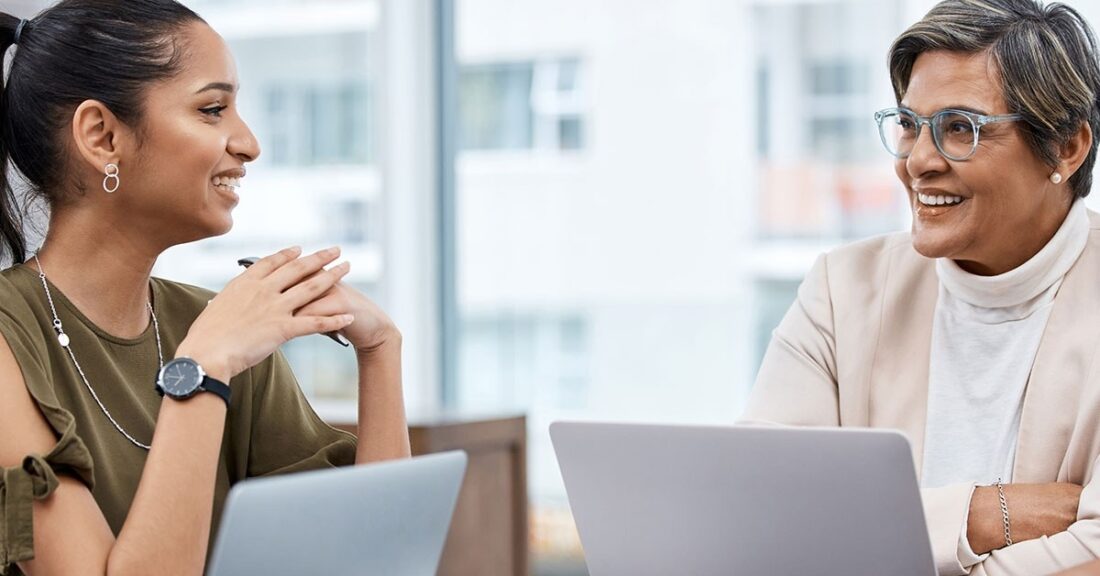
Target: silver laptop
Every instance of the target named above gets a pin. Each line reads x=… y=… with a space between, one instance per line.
x=383 y=519
x=709 y=501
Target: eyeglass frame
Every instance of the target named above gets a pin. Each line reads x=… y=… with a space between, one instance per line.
x=976 y=120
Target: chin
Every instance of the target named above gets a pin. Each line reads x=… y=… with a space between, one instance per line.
x=224 y=228
x=935 y=246
x=218 y=227
x=932 y=245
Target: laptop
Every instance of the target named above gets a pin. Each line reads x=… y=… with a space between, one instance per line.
x=387 y=519
x=709 y=501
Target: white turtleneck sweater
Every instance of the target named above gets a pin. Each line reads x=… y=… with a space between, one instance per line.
x=985 y=334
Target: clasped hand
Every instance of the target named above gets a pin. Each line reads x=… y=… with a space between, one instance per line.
x=281 y=297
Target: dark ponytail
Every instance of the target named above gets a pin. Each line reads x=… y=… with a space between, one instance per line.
x=11 y=225
x=105 y=50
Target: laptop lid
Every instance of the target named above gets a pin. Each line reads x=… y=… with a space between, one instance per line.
x=659 y=500
x=387 y=518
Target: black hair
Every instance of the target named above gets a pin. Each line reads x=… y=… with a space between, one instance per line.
x=110 y=51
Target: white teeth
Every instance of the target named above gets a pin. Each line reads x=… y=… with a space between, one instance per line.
x=227 y=182
x=929 y=200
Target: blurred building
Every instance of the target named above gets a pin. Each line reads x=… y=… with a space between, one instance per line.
x=640 y=188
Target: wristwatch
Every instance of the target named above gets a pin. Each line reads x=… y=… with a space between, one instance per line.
x=182 y=378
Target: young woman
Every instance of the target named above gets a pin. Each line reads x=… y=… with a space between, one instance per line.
x=130 y=404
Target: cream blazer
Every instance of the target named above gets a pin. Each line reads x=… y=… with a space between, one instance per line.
x=853 y=350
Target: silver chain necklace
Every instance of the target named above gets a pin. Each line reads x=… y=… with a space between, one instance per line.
x=63 y=339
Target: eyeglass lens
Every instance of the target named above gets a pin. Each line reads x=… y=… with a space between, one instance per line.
x=954 y=134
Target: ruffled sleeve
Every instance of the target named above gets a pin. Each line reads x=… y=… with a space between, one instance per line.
x=35 y=479
x=19 y=486
x=36 y=476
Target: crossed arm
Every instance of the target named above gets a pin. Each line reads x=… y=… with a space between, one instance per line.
x=1054 y=525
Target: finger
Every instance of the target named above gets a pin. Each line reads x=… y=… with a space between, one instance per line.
x=315 y=286
x=315 y=273
x=328 y=304
x=269 y=264
x=305 y=325
x=295 y=271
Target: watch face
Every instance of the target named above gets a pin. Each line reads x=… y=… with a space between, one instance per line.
x=181 y=377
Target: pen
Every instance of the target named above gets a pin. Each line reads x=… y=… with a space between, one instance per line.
x=246 y=262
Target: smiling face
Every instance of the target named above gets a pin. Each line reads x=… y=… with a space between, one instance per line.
x=1008 y=209
x=194 y=145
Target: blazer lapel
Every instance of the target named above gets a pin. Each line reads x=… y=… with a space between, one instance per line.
x=898 y=382
x=1062 y=364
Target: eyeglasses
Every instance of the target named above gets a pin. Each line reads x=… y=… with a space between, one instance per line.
x=954 y=132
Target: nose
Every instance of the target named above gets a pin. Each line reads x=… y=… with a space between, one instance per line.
x=243 y=144
x=925 y=158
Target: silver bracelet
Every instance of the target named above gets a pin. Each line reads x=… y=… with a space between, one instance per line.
x=1004 y=511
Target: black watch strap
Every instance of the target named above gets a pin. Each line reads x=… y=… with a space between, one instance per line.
x=217 y=387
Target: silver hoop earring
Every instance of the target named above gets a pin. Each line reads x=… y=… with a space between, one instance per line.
x=111 y=171
x=1056 y=178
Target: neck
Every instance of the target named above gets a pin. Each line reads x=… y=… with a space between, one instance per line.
x=1029 y=285
x=1025 y=245
x=102 y=271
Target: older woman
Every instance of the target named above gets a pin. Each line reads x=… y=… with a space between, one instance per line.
x=976 y=333
x=122 y=116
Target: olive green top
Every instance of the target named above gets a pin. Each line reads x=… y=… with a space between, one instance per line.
x=270 y=427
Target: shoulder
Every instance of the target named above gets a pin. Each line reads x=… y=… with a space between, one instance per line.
x=1090 y=256
x=875 y=252
x=14 y=285
x=180 y=302
x=1094 y=220
x=1094 y=226
x=184 y=293
x=855 y=284
x=24 y=319
x=33 y=418
x=870 y=264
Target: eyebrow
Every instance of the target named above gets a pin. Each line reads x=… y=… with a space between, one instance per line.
x=223 y=86
x=958 y=107
x=968 y=109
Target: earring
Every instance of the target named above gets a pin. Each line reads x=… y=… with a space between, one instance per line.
x=111 y=171
x=1056 y=178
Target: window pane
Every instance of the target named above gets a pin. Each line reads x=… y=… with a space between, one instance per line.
x=567 y=76
x=495 y=107
x=837 y=78
x=531 y=105
x=571 y=136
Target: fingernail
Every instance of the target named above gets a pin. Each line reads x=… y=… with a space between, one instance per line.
x=344 y=267
x=348 y=319
x=332 y=251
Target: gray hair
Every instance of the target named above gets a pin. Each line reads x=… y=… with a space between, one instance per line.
x=1047 y=58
